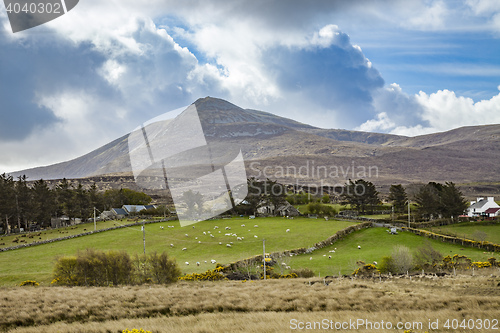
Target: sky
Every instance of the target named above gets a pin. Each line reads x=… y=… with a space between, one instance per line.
x=389 y=66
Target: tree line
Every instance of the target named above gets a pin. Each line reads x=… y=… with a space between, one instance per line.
x=432 y=200
x=23 y=203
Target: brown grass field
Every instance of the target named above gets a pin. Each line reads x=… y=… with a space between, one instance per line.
x=260 y=306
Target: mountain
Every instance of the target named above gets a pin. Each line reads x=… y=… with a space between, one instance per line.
x=293 y=152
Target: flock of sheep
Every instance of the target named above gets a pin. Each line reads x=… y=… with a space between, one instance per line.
x=238 y=238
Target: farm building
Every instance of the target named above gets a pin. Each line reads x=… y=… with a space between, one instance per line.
x=483 y=207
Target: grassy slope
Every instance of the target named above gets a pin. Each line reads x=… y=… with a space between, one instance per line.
x=37 y=262
x=375 y=243
x=468 y=229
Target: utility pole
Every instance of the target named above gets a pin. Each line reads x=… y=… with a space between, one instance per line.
x=144 y=236
x=264 y=256
x=408 y=213
x=95 y=224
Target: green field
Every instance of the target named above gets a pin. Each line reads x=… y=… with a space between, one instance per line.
x=469 y=229
x=8 y=240
x=36 y=262
x=375 y=243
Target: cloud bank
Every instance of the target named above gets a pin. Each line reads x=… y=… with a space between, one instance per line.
x=94 y=74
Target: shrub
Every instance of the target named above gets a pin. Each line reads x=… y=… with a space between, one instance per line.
x=97 y=268
x=365 y=269
x=29 y=283
x=402 y=259
x=135 y=330
x=427 y=255
x=387 y=265
x=303 y=272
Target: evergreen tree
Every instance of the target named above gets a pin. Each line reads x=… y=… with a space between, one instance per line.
x=360 y=194
x=45 y=204
x=397 y=194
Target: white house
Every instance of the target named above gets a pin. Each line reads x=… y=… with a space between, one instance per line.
x=483 y=207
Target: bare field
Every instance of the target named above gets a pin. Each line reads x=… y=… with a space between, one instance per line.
x=261 y=306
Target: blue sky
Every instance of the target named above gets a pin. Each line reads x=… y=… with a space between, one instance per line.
x=96 y=73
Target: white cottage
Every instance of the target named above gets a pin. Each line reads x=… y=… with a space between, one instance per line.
x=483 y=207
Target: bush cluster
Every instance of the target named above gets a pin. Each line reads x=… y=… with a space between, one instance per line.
x=29 y=283
x=135 y=330
x=320 y=209
x=98 y=268
x=210 y=275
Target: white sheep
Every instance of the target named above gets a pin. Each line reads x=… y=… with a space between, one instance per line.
x=197 y=263
x=231 y=243
x=216 y=227
x=238 y=238
x=242 y=225
x=212 y=236
x=161 y=227
x=205 y=261
x=375 y=263
x=228 y=228
x=287 y=230
x=329 y=257
x=184 y=248
x=187 y=263
x=359 y=247
x=220 y=243
x=310 y=258
x=228 y=245
x=186 y=235
x=171 y=245
x=255 y=236
x=204 y=233
x=213 y=261
x=256 y=226
x=196 y=238
x=199 y=242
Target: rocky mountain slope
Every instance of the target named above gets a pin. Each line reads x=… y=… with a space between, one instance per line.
x=281 y=148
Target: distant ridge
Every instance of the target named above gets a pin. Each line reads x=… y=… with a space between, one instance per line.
x=464 y=155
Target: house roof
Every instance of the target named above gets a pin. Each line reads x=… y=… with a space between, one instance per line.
x=119 y=211
x=478 y=204
x=133 y=208
x=492 y=210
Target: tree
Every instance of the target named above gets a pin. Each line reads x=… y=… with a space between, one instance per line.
x=438 y=199
x=7 y=201
x=45 y=204
x=24 y=201
x=428 y=200
x=397 y=194
x=360 y=195
x=65 y=198
x=453 y=202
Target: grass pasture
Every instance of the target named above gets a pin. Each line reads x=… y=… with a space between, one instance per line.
x=469 y=229
x=36 y=263
x=375 y=244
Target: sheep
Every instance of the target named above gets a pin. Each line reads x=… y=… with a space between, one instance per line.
x=359 y=247
x=161 y=227
x=287 y=267
x=213 y=261
x=193 y=226
x=332 y=251
x=255 y=236
x=227 y=234
x=375 y=263
x=242 y=225
x=310 y=258
x=228 y=228
x=204 y=233
x=287 y=230
x=228 y=245
x=329 y=257
x=212 y=236
x=184 y=248
x=205 y=261
x=220 y=243
x=196 y=238
x=199 y=242
x=209 y=232
x=186 y=235
x=216 y=227
x=187 y=263
x=231 y=243
x=238 y=238
x=256 y=226
x=171 y=245
x=197 y=263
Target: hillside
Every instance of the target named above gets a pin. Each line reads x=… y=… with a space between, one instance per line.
x=463 y=155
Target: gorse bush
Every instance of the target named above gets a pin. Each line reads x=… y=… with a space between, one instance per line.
x=29 y=283
x=135 y=330
x=98 y=268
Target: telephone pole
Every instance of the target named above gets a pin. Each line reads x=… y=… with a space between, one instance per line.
x=264 y=256
x=144 y=236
